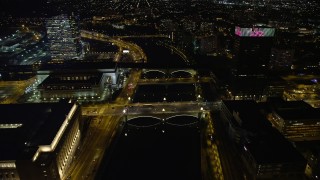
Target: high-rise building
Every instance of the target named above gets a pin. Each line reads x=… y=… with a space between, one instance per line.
x=64 y=39
x=253 y=47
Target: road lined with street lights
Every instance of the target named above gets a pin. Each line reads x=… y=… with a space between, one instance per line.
x=124 y=46
x=101 y=132
x=212 y=154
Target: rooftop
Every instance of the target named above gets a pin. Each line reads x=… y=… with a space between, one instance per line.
x=252 y=119
x=266 y=144
x=72 y=78
x=23 y=127
x=271 y=147
x=294 y=110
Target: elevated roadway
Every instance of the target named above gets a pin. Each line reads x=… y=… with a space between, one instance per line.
x=137 y=53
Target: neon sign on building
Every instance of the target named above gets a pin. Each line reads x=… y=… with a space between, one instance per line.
x=254 y=32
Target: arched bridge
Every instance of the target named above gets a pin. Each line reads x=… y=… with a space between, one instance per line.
x=160 y=73
x=158 y=119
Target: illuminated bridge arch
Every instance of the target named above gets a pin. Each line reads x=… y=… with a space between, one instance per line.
x=179 y=115
x=149 y=71
x=189 y=72
x=153 y=121
x=194 y=116
x=153 y=70
x=183 y=122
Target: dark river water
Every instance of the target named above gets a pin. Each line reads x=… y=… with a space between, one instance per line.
x=158 y=55
x=159 y=152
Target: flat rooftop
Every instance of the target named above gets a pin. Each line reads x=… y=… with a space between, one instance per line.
x=71 y=79
x=248 y=111
x=265 y=143
x=23 y=127
x=269 y=146
x=247 y=83
x=294 y=110
x=301 y=114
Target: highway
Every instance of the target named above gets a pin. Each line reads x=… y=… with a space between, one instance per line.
x=143 y=36
x=211 y=164
x=134 y=50
x=232 y=166
x=101 y=131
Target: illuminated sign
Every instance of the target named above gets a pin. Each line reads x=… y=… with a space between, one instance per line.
x=254 y=32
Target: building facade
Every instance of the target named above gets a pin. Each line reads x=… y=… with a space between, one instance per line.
x=64 y=38
x=39 y=142
x=296 y=120
x=80 y=85
x=252 y=48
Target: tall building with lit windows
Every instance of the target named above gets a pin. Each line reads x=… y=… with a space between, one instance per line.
x=64 y=38
x=38 y=141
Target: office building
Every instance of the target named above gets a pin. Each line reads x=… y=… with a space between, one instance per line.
x=257 y=87
x=64 y=38
x=248 y=87
x=264 y=151
x=80 y=85
x=38 y=141
x=296 y=120
x=252 y=48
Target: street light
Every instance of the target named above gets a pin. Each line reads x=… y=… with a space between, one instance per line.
x=125 y=115
x=200 y=113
